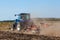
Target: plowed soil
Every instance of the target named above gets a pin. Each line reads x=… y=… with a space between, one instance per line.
x=6 y=35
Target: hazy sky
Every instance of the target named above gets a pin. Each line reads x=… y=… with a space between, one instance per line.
x=37 y=8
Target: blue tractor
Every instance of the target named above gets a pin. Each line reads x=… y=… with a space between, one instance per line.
x=22 y=22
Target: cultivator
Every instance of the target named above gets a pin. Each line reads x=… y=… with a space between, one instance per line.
x=24 y=23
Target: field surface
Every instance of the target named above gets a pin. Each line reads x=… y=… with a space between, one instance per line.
x=6 y=35
x=51 y=31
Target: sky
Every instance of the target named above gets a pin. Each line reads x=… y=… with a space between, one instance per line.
x=37 y=8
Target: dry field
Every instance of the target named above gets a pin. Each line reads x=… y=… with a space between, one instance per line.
x=50 y=32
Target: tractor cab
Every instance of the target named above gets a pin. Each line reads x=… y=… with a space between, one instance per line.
x=22 y=21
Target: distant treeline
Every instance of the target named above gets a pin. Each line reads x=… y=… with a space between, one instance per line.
x=48 y=19
x=8 y=21
x=53 y=19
